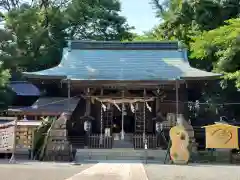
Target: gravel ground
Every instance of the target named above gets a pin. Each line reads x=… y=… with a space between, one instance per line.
x=192 y=172
x=39 y=171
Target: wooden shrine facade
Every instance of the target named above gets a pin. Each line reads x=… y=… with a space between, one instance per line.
x=84 y=101
x=104 y=105
x=122 y=85
x=144 y=106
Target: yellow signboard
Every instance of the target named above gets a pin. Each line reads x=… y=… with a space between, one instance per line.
x=221 y=135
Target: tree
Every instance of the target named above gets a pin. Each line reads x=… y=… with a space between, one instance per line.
x=183 y=19
x=190 y=21
x=97 y=20
x=212 y=41
x=5 y=99
x=35 y=32
x=41 y=29
x=222 y=46
x=39 y=45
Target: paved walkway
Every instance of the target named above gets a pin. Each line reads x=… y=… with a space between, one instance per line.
x=112 y=171
x=192 y=172
x=116 y=170
x=40 y=170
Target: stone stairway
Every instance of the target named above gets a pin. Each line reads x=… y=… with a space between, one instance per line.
x=119 y=154
x=122 y=150
x=122 y=144
x=125 y=143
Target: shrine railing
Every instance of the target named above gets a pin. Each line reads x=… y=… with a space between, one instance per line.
x=138 y=141
x=95 y=141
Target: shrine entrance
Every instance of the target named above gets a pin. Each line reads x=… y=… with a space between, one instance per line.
x=128 y=118
x=129 y=123
x=117 y=124
x=124 y=116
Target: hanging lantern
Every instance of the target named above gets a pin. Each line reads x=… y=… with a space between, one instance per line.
x=159 y=127
x=87 y=125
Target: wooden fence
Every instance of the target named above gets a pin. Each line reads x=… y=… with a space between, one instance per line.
x=95 y=141
x=138 y=141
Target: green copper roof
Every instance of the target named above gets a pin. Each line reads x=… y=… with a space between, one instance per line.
x=123 y=61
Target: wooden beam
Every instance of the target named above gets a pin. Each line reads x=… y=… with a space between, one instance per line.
x=34 y=113
x=119 y=97
x=8 y=118
x=120 y=84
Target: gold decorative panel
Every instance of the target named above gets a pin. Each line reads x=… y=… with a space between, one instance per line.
x=222 y=135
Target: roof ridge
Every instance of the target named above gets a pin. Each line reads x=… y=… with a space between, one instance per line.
x=137 y=45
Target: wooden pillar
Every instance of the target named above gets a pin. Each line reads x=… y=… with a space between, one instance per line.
x=123 y=115
x=179 y=120
x=177 y=98
x=69 y=95
x=88 y=103
x=144 y=115
x=12 y=159
x=87 y=115
x=157 y=104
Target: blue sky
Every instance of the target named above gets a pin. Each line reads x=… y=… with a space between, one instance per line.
x=140 y=14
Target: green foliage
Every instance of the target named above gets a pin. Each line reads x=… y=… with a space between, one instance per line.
x=205 y=27
x=147 y=37
x=40 y=30
x=35 y=32
x=210 y=30
x=222 y=46
x=5 y=94
x=183 y=19
x=96 y=20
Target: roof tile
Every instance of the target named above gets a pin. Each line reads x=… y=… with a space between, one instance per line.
x=124 y=64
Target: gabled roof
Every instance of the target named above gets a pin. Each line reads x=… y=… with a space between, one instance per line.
x=129 y=61
x=22 y=88
x=47 y=105
x=21 y=123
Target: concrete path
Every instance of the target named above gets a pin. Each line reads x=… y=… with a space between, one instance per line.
x=112 y=171
x=192 y=172
x=40 y=170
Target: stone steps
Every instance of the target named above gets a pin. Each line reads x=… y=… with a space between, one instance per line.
x=122 y=144
x=126 y=143
x=119 y=154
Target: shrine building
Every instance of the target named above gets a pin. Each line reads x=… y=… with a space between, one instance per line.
x=118 y=94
